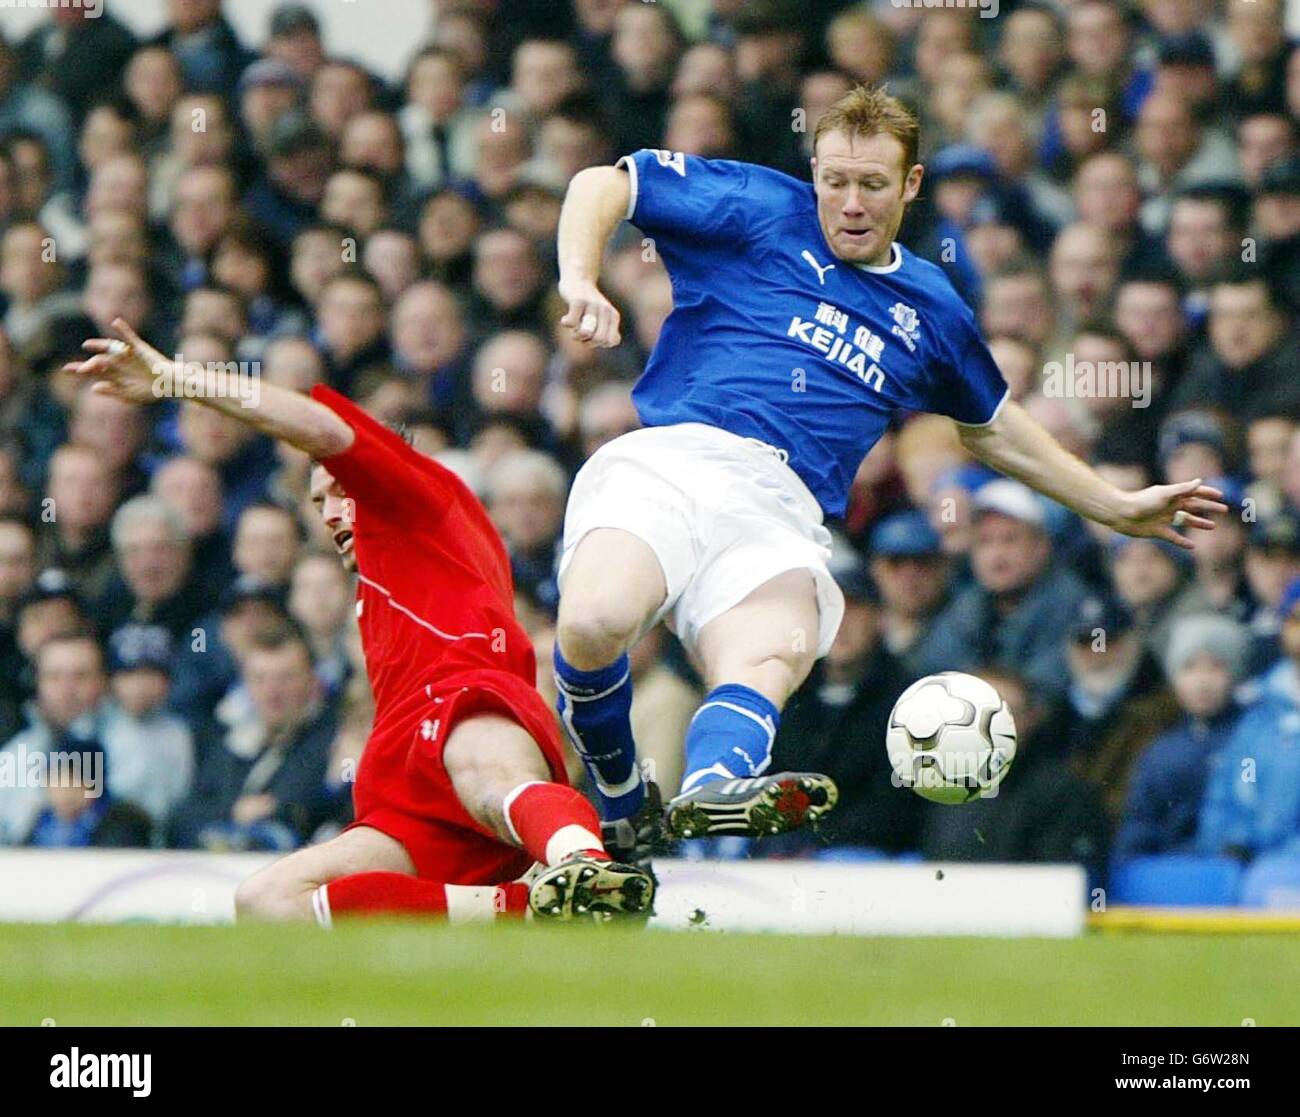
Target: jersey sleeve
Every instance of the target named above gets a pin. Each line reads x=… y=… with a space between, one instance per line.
x=686 y=196
x=968 y=385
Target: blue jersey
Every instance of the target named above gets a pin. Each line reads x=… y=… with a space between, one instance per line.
x=772 y=337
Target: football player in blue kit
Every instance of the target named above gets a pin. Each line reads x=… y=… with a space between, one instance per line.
x=799 y=327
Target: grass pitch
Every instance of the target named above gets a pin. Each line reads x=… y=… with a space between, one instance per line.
x=408 y=973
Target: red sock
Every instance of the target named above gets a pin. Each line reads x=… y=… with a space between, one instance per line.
x=398 y=894
x=553 y=822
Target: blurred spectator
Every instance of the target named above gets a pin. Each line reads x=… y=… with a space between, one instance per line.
x=1252 y=797
x=209 y=52
x=1014 y=614
x=258 y=779
x=266 y=544
x=65 y=716
x=79 y=500
x=1116 y=700
x=526 y=494
x=1207 y=657
x=321 y=597
x=149 y=751
x=913 y=575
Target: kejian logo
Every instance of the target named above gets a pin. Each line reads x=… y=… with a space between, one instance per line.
x=117 y=1072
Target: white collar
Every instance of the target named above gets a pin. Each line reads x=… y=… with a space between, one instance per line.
x=885 y=269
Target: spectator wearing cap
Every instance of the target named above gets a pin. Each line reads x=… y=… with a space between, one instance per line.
x=207 y=669
x=1207 y=658
x=260 y=779
x=293 y=37
x=1272 y=563
x=267 y=90
x=1247 y=367
x=298 y=158
x=1020 y=603
x=1043 y=813
x=1116 y=699
x=835 y=723
x=1252 y=797
x=68 y=707
x=912 y=572
x=150 y=751
x=1192 y=444
x=206 y=46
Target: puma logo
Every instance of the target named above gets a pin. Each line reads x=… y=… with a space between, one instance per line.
x=821 y=271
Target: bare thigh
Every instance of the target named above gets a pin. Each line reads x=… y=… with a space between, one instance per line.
x=283 y=890
x=768 y=641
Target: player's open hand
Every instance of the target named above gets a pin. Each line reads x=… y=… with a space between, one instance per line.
x=593 y=319
x=127 y=366
x=1159 y=511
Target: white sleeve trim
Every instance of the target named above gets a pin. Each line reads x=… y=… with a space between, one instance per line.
x=1005 y=396
x=629 y=165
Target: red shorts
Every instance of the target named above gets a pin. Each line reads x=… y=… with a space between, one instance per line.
x=403 y=789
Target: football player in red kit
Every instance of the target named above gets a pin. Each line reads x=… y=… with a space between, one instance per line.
x=461 y=788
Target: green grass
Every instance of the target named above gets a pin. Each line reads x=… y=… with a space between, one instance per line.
x=405 y=973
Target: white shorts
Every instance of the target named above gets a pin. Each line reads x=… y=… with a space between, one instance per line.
x=723 y=514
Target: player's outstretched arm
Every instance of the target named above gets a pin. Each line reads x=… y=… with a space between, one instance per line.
x=129 y=368
x=596 y=201
x=1015 y=444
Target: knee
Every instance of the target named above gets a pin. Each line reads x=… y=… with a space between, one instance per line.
x=271 y=896
x=594 y=630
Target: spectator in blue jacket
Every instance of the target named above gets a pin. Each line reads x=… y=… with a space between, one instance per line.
x=1206 y=658
x=1252 y=799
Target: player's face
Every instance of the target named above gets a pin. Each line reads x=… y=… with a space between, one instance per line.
x=337 y=511
x=862 y=189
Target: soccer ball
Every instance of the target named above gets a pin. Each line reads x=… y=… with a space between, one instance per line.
x=951 y=738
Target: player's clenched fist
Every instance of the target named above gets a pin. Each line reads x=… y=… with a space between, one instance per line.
x=592 y=317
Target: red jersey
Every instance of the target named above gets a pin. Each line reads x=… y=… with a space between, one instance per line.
x=435 y=604
x=435 y=597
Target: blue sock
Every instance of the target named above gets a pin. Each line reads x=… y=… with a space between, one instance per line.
x=596 y=711
x=730 y=736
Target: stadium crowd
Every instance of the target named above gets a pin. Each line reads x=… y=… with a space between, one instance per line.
x=1111 y=183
